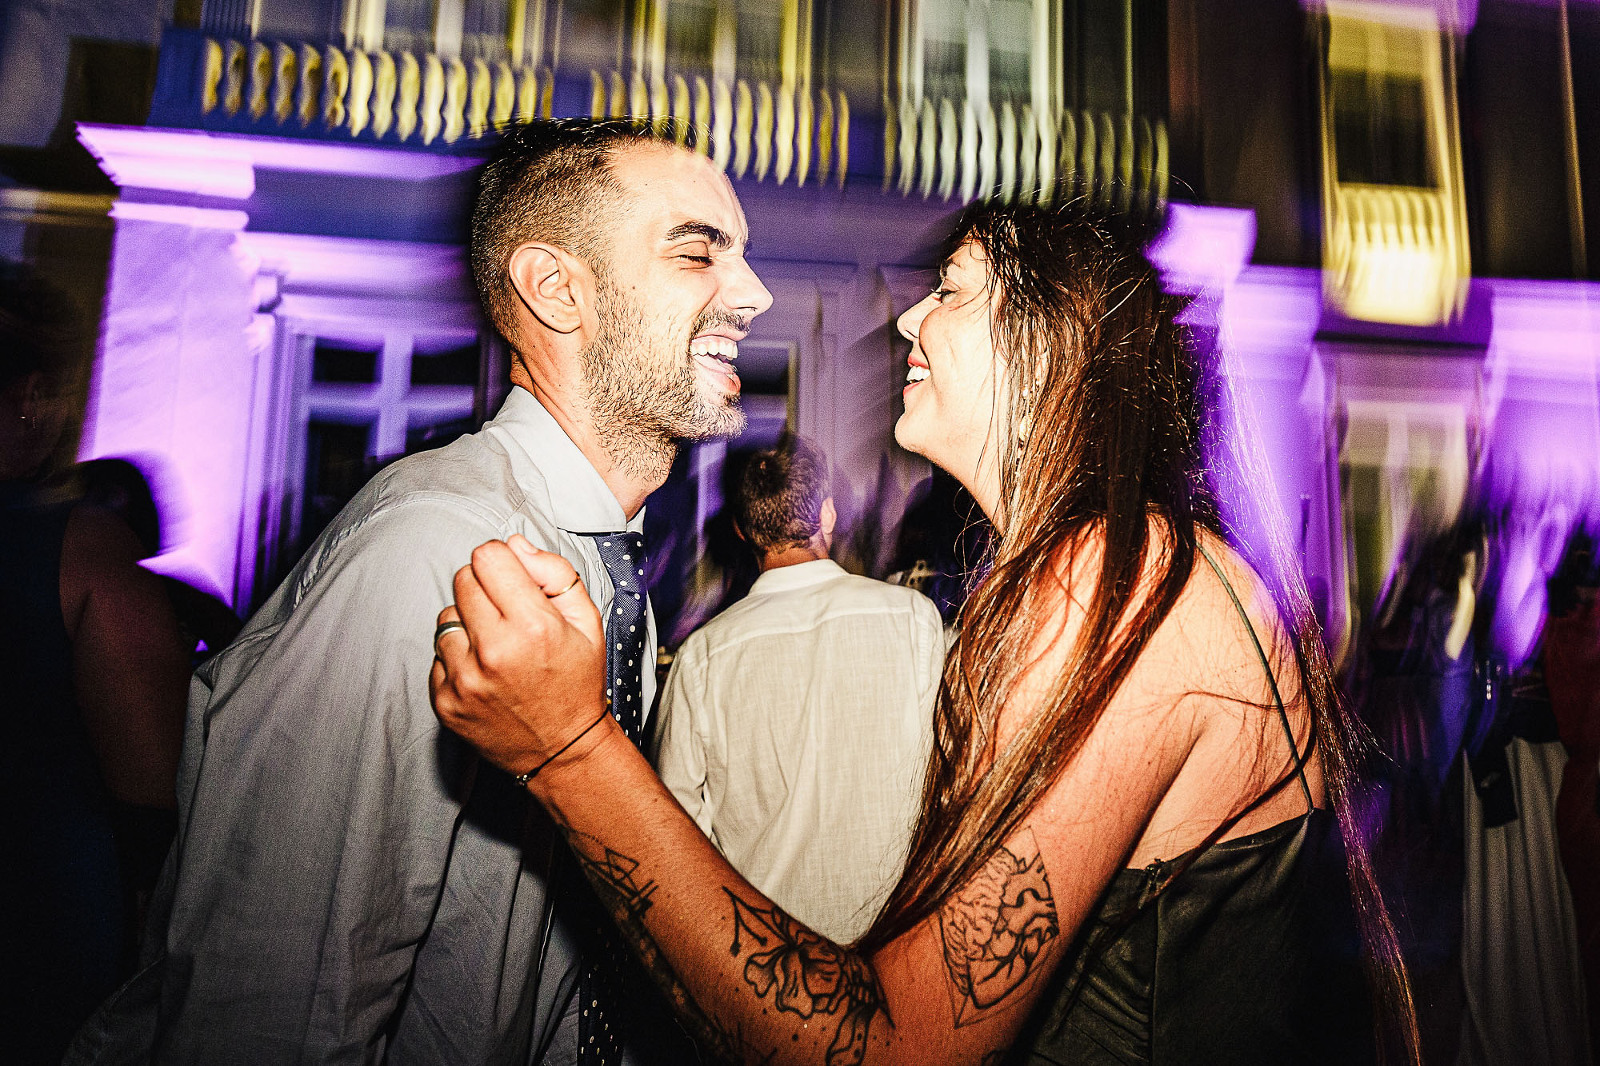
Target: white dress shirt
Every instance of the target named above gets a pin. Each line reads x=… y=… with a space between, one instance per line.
x=795 y=729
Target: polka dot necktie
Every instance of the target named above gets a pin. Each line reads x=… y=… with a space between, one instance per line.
x=599 y=1042
x=623 y=556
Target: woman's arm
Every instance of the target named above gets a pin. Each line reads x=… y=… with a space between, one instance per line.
x=130 y=668
x=758 y=985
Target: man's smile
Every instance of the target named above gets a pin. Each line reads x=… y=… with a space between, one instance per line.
x=714 y=354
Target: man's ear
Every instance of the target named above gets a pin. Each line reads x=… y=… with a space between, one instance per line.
x=554 y=285
x=827 y=518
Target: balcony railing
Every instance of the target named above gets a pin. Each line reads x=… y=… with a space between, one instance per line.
x=1393 y=254
x=754 y=129
x=750 y=127
x=955 y=149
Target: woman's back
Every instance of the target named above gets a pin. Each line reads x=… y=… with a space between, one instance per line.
x=1243 y=951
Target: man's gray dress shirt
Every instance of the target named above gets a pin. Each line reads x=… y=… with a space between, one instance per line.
x=350 y=883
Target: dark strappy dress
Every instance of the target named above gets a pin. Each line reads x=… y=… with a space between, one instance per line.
x=1244 y=953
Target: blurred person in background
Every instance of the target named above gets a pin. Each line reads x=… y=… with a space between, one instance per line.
x=1477 y=765
x=794 y=727
x=1136 y=842
x=1521 y=967
x=207 y=623
x=940 y=540
x=93 y=673
x=1572 y=676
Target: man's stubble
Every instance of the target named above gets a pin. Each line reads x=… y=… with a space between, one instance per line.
x=644 y=394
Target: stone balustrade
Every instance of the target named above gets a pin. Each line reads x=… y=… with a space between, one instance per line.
x=750 y=127
x=286 y=87
x=754 y=129
x=955 y=149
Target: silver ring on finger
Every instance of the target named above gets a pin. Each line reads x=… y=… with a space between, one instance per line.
x=445 y=627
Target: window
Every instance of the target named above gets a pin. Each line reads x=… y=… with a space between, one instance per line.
x=1380 y=129
x=368 y=392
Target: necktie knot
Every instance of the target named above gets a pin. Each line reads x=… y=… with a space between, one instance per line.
x=623 y=556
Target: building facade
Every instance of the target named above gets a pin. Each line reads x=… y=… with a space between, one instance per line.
x=1380 y=206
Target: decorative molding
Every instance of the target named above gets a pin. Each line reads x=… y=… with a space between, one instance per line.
x=355 y=315
x=223 y=165
x=1203 y=247
x=349 y=264
x=179 y=215
x=170 y=160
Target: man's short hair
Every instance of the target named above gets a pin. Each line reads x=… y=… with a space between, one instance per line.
x=780 y=494
x=548 y=181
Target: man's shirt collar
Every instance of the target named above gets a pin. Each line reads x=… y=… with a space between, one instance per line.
x=579 y=499
x=797 y=576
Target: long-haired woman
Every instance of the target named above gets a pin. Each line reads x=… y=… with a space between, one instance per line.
x=1135 y=843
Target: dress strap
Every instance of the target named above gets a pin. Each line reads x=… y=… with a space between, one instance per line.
x=1272 y=681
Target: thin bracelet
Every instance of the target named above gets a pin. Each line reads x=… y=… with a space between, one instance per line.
x=523 y=779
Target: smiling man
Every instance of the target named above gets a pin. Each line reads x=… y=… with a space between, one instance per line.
x=350 y=883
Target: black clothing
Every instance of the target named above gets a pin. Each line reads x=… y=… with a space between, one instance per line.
x=64 y=939
x=1250 y=955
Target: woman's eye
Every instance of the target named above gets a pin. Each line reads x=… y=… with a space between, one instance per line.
x=940 y=292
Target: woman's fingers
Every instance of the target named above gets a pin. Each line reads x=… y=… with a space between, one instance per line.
x=530 y=666
x=562 y=586
x=449 y=628
x=479 y=603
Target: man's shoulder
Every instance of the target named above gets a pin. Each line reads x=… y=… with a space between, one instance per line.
x=423 y=515
x=473 y=473
x=469 y=485
x=873 y=588
x=867 y=593
x=842 y=595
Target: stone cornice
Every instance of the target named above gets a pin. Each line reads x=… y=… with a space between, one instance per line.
x=223 y=165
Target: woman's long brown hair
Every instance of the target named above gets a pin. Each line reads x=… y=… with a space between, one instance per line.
x=1118 y=419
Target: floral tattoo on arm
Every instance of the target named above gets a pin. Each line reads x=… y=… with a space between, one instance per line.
x=995 y=928
x=807 y=976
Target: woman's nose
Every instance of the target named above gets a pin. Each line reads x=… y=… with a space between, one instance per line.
x=909 y=323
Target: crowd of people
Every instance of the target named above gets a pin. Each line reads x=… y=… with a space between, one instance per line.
x=1115 y=806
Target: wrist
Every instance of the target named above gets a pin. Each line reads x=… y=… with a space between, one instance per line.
x=574 y=751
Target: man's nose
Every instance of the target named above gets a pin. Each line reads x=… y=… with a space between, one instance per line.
x=745 y=293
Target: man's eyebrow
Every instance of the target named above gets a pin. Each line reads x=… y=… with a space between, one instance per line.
x=719 y=238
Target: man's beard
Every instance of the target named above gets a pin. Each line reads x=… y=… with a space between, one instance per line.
x=643 y=399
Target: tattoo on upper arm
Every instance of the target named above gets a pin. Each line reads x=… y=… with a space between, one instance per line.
x=807 y=975
x=996 y=927
x=623 y=891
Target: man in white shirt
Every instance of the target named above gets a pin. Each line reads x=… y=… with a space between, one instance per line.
x=795 y=727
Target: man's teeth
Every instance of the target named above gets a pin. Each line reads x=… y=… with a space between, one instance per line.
x=916 y=373
x=716 y=347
